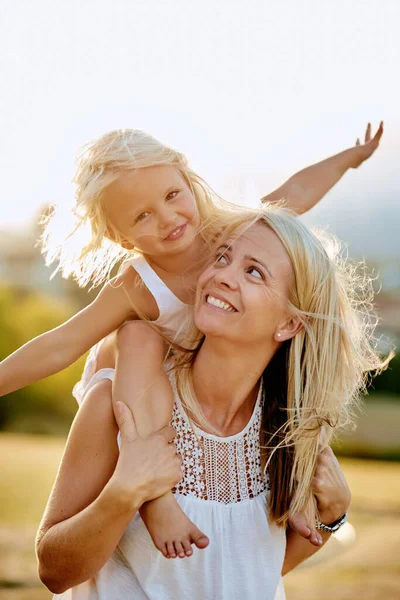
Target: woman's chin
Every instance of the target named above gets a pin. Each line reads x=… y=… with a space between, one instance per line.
x=212 y=324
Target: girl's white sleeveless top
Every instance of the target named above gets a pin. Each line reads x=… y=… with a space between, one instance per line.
x=224 y=492
x=172 y=318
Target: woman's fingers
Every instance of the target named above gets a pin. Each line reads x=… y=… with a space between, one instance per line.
x=126 y=422
x=168 y=433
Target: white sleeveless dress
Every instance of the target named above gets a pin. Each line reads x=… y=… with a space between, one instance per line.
x=224 y=492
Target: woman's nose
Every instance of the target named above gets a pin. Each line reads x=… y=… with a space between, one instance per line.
x=227 y=277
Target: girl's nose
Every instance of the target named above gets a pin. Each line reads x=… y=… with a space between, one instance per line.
x=166 y=217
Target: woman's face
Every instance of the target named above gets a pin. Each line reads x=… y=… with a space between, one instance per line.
x=243 y=295
x=154 y=210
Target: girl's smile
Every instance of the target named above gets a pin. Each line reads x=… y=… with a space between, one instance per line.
x=176 y=233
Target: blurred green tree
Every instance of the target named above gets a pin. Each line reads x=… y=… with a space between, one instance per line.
x=45 y=406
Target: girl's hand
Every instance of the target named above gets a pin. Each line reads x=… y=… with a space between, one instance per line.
x=365 y=150
x=147 y=467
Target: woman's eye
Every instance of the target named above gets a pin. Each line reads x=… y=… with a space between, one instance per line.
x=255 y=273
x=221 y=258
x=142 y=216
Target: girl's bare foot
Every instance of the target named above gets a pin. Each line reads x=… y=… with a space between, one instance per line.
x=172 y=532
x=299 y=524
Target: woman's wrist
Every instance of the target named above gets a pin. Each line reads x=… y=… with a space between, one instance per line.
x=331 y=514
x=122 y=498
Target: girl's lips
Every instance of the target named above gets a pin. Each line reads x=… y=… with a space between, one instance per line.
x=176 y=233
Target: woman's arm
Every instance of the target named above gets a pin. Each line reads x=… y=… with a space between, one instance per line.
x=304 y=189
x=57 y=349
x=333 y=500
x=98 y=490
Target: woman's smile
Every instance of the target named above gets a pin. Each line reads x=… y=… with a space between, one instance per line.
x=216 y=301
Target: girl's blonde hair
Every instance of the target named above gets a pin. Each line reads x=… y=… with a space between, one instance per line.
x=79 y=238
x=313 y=382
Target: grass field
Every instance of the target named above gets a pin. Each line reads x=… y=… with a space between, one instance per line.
x=366 y=568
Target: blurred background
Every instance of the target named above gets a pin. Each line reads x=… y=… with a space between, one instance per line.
x=251 y=92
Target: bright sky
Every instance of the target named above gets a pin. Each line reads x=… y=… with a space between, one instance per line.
x=255 y=89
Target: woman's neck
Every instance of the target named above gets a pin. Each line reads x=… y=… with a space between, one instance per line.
x=225 y=379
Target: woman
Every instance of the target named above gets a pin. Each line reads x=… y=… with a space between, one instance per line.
x=280 y=355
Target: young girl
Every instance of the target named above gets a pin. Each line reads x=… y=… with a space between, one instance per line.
x=139 y=200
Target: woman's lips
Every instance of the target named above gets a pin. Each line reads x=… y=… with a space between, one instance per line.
x=176 y=233
x=219 y=303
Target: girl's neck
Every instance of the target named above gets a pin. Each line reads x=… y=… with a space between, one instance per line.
x=225 y=380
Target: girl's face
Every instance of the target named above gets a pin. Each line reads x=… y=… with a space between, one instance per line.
x=153 y=209
x=243 y=295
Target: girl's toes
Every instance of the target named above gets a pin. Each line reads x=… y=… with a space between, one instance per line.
x=179 y=550
x=315 y=539
x=199 y=538
x=187 y=546
x=171 y=550
x=163 y=550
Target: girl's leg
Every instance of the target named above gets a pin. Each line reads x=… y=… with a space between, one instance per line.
x=141 y=383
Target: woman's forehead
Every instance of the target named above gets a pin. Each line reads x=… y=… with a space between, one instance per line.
x=259 y=241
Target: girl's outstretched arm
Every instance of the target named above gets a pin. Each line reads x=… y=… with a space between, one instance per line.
x=55 y=350
x=304 y=189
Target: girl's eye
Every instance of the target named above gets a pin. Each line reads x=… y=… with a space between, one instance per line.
x=142 y=216
x=255 y=273
x=172 y=195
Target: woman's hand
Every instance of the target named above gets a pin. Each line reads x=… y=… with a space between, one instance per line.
x=332 y=494
x=330 y=487
x=147 y=467
x=365 y=150
x=333 y=499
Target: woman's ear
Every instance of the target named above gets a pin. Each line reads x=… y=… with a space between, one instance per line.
x=288 y=330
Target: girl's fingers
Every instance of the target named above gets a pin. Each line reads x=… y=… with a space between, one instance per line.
x=378 y=134
x=368 y=133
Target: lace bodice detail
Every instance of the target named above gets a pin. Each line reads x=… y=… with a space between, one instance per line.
x=226 y=470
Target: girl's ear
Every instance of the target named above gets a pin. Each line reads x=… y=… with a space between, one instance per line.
x=289 y=329
x=112 y=234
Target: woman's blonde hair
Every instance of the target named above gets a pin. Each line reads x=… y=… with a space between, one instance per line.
x=313 y=382
x=79 y=238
